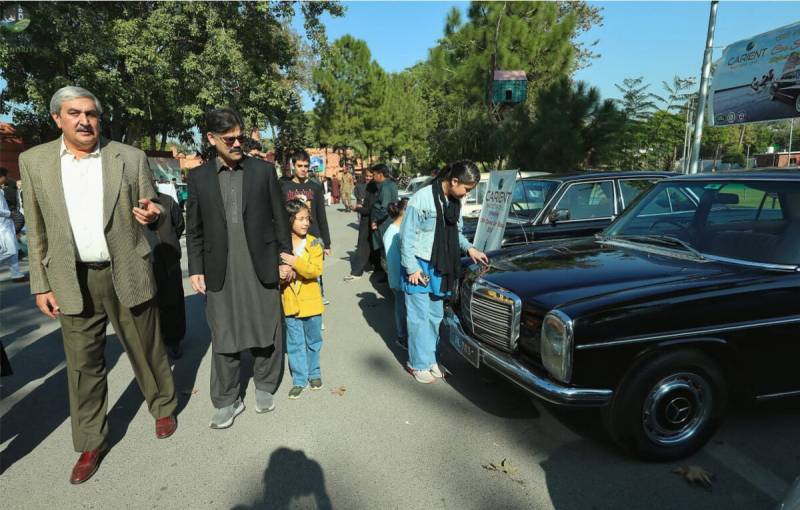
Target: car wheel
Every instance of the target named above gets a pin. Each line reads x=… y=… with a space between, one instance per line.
x=668 y=406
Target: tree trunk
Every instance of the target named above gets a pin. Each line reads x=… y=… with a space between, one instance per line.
x=163 y=141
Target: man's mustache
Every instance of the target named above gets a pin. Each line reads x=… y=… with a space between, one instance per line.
x=85 y=129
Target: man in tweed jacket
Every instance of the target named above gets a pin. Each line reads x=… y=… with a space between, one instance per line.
x=87 y=203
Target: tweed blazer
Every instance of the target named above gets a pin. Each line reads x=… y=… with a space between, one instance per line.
x=52 y=252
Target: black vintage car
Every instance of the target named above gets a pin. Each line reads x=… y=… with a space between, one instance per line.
x=787 y=88
x=578 y=204
x=688 y=298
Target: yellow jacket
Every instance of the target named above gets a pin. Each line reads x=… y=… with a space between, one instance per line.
x=303 y=297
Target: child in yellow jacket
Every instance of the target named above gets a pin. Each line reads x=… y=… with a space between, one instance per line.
x=302 y=302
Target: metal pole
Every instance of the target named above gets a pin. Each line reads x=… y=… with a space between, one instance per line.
x=687 y=130
x=701 y=103
x=791 y=132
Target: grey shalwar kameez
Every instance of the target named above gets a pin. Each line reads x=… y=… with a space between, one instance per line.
x=244 y=314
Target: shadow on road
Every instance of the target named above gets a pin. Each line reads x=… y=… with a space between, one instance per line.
x=292 y=480
x=378 y=311
x=38 y=414
x=753 y=459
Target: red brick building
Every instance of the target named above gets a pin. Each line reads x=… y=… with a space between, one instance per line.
x=10 y=148
x=778 y=159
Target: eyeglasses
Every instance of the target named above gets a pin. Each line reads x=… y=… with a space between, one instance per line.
x=230 y=140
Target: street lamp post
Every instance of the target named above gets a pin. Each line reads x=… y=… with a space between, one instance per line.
x=701 y=103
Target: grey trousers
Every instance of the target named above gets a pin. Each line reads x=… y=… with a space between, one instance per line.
x=225 y=388
x=84 y=347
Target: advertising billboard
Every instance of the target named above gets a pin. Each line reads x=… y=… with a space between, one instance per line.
x=758 y=79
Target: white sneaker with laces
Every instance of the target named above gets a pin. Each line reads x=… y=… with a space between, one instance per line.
x=436 y=371
x=421 y=376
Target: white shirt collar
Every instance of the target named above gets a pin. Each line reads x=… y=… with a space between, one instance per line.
x=64 y=150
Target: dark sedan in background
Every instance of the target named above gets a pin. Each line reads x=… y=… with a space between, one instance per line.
x=560 y=206
x=689 y=297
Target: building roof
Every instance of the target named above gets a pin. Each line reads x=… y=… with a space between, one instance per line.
x=510 y=75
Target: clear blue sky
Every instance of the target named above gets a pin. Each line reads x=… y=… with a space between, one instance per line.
x=652 y=39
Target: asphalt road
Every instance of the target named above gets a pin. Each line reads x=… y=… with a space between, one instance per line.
x=386 y=442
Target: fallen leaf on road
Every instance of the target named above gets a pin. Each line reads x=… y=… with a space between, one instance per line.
x=339 y=392
x=695 y=475
x=503 y=467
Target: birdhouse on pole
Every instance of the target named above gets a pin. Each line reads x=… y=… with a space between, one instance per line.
x=509 y=87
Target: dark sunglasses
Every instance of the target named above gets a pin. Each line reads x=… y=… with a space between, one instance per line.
x=230 y=140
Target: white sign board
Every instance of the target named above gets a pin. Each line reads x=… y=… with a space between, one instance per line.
x=494 y=212
x=758 y=79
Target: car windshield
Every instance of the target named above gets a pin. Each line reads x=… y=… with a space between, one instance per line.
x=529 y=197
x=414 y=186
x=743 y=220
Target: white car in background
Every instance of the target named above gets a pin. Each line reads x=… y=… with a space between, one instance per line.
x=472 y=206
x=413 y=186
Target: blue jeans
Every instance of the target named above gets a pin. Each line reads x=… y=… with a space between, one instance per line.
x=424 y=315
x=400 y=313
x=303 y=343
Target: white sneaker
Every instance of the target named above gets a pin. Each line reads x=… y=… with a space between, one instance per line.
x=422 y=376
x=436 y=372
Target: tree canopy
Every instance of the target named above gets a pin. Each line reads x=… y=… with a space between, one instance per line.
x=157 y=66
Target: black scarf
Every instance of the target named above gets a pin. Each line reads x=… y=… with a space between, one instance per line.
x=445 y=256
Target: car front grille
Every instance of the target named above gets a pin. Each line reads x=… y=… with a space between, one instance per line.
x=491 y=313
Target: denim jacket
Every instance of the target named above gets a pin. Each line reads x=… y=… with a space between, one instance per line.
x=418 y=229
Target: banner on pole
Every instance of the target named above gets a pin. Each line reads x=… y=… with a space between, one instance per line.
x=758 y=79
x=494 y=212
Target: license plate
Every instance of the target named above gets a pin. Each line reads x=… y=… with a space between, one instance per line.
x=465 y=348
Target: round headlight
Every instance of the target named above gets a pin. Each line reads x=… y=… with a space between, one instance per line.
x=556 y=346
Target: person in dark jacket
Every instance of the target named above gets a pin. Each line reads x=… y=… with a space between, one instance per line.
x=310 y=192
x=236 y=230
x=387 y=194
x=166 y=257
x=364 y=255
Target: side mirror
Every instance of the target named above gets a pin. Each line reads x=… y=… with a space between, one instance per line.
x=558 y=215
x=726 y=198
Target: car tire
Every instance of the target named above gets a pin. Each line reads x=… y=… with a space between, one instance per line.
x=668 y=405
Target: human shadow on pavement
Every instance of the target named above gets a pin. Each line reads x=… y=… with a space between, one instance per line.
x=292 y=480
x=378 y=311
x=184 y=372
x=38 y=414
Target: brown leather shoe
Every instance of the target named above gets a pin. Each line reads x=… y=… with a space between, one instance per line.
x=166 y=426
x=86 y=466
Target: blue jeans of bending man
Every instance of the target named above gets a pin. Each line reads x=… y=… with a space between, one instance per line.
x=303 y=344
x=424 y=314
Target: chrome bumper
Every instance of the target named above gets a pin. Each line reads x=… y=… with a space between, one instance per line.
x=527 y=378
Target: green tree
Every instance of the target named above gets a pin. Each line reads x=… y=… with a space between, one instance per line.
x=535 y=37
x=157 y=66
x=350 y=89
x=573 y=129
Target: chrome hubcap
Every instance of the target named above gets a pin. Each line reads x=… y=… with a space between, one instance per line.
x=676 y=408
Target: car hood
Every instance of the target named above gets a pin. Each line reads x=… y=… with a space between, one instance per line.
x=559 y=273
